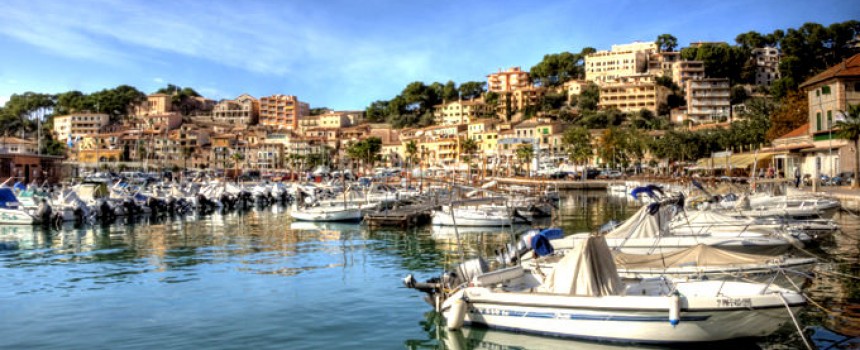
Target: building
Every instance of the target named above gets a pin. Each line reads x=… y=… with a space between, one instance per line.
x=829 y=93
x=506 y=81
x=244 y=110
x=708 y=100
x=684 y=71
x=16 y=145
x=154 y=104
x=766 y=65
x=282 y=111
x=461 y=112
x=633 y=94
x=622 y=61
x=75 y=126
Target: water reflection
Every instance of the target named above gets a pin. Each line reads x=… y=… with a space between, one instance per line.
x=308 y=283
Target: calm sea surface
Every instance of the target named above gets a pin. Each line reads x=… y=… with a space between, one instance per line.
x=256 y=281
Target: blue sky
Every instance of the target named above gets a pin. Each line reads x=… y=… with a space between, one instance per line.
x=342 y=54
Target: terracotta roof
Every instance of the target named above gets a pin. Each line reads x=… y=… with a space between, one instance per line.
x=802 y=130
x=847 y=68
x=16 y=140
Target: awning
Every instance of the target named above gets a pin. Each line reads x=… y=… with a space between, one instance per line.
x=734 y=161
x=819 y=149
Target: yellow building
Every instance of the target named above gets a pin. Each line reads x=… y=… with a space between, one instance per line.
x=154 y=104
x=244 y=110
x=505 y=81
x=685 y=71
x=460 y=112
x=282 y=111
x=708 y=100
x=622 y=61
x=77 y=125
x=633 y=94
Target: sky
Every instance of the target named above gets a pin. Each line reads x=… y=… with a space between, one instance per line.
x=343 y=54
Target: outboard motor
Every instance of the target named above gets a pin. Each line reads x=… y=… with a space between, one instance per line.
x=106 y=212
x=43 y=212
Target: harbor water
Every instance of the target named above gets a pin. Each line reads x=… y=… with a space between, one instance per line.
x=255 y=280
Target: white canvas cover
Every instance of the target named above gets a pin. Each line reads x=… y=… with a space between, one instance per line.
x=699 y=255
x=588 y=270
x=644 y=225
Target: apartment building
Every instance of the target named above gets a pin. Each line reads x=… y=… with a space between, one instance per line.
x=16 y=145
x=509 y=80
x=621 y=61
x=244 y=110
x=829 y=94
x=461 y=112
x=708 y=100
x=154 y=104
x=282 y=111
x=77 y=125
x=766 y=65
x=684 y=71
x=633 y=94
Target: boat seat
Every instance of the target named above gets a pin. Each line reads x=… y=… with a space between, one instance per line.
x=499 y=276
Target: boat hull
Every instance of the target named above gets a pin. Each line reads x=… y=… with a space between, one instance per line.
x=635 y=319
x=15 y=217
x=328 y=215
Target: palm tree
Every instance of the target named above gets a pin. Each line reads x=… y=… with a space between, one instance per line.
x=849 y=128
x=237 y=160
x=467 y=148
x=525 y=153
x=411 y=152
x=579 y=149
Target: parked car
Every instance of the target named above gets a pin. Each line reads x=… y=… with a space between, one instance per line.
x=843 y=178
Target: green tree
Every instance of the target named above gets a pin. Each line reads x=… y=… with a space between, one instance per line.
x=411 y=150
x=377 y=111
x=721 y=60
x=472 y=89
x=577 y=141
x=450 y=92
x=182 y=99
x=849 y=129
x=525 y=154
x=468 y=147
x=366 y=151
x=667 y=42
x=555 y=69
x=589 y=97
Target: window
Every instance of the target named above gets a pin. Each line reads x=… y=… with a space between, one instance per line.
x=829 y=119
x=825 y=90
x=818 y=121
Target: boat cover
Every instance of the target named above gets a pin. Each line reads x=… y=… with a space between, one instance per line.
x=707 y=217
x=588 y=270
x=646 y=223
x=698 y=255
x=92 y=190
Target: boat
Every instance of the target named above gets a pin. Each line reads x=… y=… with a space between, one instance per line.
x=483 y=215
x=794 y=206
x=701 y=262
x=650 y=231
x=585 y=298
x=11 y=211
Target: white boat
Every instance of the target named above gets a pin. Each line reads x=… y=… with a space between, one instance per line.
x=617 y=187
x=584 y=297
x=649 y=231
x=11 y=211
x=795 y=206
x=484 y=215
x=331 y=212
x=700 y=262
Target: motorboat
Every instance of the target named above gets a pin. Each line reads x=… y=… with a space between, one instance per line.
x=331 y=212
x=480 y=215
x=700 y=262
x=11 y=211
x=584 y=297
x=649 y=231
x=794 y=206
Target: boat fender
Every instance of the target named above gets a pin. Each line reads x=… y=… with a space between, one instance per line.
x=458 y=314
x=674 y=309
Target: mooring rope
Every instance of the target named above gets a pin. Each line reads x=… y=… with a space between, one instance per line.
x=796 y=324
